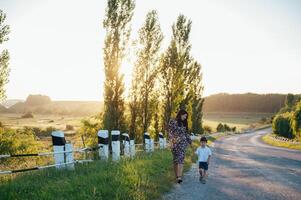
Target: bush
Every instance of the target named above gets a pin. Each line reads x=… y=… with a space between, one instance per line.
x=296 y=121
x=233 y=129
x=88 y=131
x=69 y=127
x=17 y=141
x=226 y=127
x=220 y=128
x=41 y=132
x=282 y=125
x=27 y=115
x=207 y=129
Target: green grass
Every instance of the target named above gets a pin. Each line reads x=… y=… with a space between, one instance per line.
x=147 y=176
x=269 y=139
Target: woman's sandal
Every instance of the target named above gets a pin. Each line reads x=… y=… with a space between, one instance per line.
x=179 y=179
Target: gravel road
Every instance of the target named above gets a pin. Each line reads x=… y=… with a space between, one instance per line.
x=243 y=167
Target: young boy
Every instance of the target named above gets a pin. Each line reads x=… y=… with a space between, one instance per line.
x=204 y=154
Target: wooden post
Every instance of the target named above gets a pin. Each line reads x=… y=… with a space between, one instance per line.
x=147 y=141
x=126 y=144
x=161 y=140
x=132 y=148
x=164 y=143
x=69 y=156
x=103 y=144
x=58 y=142
x=115 y=145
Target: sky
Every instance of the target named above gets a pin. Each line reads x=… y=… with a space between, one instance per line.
x=56 y=46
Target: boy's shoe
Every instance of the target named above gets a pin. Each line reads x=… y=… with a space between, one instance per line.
x=179 y=180
x=201 y=178
x=203 y=181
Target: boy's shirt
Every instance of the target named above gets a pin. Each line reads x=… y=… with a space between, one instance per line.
x=203 y=154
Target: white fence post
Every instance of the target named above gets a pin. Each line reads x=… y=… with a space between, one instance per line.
x=132 y=148
x=152 y=145
x=161 y=140
x=103 y=144
x=126 y=144
x=115 y=145
x=147 y=142
x=69 y=156
x=58 y=141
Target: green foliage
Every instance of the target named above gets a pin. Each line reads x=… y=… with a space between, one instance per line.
x=174 y=69
x=117 y=24
x=17 y=141
x=207 y=129
x=4 y=56
x=88 y=131
x=282 y=125
x=220 y=128
x=296 y=121
x=224 y=128
x=195 y=94
x=233 y=129
x=144 y=99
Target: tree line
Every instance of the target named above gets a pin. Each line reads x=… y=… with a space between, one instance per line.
x=163 y=81
x=249 y=102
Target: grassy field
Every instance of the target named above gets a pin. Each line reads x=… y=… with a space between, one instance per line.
x=270 y=139
x=240 y=120
x=40 y=121
x=147 y=176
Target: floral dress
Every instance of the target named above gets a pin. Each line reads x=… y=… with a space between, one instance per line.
x=179 y=140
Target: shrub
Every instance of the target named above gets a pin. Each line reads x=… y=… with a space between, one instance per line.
x=282 y=125
x=226 y=127
x=88 y=131
x=220 y=128
x=207 y=129
x=233 y=129
x=17 y=141
x=69 y=127
x=27 y=115
x=296 y=121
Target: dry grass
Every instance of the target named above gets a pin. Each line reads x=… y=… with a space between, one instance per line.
x=271 y=140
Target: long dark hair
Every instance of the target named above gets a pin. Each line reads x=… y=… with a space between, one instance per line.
x=182 y=123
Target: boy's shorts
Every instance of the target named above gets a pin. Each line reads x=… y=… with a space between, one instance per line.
x=203 y=165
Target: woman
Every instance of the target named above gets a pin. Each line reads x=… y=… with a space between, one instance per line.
x=179 y=139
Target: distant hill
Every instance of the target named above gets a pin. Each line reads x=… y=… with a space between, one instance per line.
x=249 y=102
x=40 y=104
x=3 y=109
x=10 y=102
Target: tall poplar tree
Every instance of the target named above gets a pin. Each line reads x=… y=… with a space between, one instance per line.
x=197 y=101
x=150 y=38
x=117 y=24
x=174 y=69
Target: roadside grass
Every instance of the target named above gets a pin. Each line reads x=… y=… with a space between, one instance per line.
x=269 y=139
x=147 y=176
